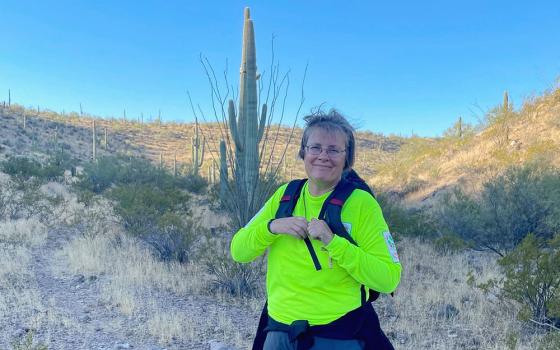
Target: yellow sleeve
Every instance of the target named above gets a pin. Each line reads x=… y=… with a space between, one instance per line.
x=252 y=240
x=374 y=262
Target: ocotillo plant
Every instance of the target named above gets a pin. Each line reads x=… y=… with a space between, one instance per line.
x=197 y=149
x=223 y=170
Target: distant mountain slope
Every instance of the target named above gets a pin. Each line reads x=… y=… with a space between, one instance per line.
x=47 y=132
x=413 y=168
x=422 y=167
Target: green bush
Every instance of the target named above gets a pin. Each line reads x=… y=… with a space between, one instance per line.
x=235 y=279
x=141 y=206
x=522 y=200
x=23 y=168
x=532 y=278
x=449 y=244
x=174 y=237
x=120 y=170
x=403 y=221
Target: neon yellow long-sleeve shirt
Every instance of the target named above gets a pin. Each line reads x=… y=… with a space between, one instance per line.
x=296 y=290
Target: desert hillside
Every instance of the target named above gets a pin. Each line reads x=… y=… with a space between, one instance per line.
x=414 y=168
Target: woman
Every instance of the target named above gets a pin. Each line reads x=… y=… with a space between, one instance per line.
x=311 y=306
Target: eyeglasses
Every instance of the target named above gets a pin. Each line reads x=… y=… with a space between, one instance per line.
x=317 y=150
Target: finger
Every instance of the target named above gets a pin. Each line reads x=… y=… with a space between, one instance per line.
x=301 y=231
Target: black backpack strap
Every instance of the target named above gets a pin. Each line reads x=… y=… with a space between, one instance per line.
x=286 y=208
x=289 y=198
x=332 y=209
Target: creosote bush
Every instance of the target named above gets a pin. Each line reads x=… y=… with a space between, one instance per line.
x=23 y=168
x=532 y=278
x=521 y=201
x=403 y=221
x=151 y=203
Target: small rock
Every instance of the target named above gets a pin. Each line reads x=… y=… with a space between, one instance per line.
x=217 y=345
x=79 y=279
x=446 y=311
x=123 y=346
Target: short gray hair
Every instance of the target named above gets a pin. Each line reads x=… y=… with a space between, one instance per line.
x=330 y=122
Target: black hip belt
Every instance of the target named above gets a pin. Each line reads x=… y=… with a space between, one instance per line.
x=361 y=324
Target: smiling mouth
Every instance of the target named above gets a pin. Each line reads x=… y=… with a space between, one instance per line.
x=322 y=166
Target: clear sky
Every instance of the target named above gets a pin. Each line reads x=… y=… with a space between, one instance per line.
x=391 y=67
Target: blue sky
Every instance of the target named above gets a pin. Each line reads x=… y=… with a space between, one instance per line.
x=391 y=67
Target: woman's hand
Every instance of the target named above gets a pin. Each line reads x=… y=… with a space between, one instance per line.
x=319 y=229
x=295 y=226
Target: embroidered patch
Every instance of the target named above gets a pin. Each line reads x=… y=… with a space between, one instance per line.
x=347 y=226
x=391 y=246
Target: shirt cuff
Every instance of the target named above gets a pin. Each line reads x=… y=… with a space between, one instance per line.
x=337 y=246
x=264 y=234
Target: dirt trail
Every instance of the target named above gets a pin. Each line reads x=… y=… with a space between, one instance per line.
x=75 y=317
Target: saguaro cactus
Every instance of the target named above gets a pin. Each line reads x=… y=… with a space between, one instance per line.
x=245 y=128
x=197 y=149
x=506 y=101
x=175 y=164
x=93 y=153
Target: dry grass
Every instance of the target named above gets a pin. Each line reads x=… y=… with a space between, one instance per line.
x=435 y=307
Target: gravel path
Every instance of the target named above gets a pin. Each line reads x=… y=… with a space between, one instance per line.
x=72 y=313
x=75 y=315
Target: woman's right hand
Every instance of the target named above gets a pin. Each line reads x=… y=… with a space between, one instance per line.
x=295 y=226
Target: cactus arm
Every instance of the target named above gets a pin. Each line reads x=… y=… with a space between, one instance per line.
x=233 y=126
x=262 y=123
x=202 y=153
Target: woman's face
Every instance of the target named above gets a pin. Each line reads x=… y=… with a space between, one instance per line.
x=324 y=170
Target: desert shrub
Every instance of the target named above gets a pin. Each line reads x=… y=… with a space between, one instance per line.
x=23 y=168
x=551 y=341
x=449 y=244
x=173 y=238
x=141 y=206
x=522 y=200
x=404 y=221
x=120 y=170
x=532 y=278
x=228 y=276
x=23 y=199
x=193 y=183
x=27 y=343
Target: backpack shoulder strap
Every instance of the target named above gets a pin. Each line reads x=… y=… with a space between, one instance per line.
x=331 y=210
x=289 y=198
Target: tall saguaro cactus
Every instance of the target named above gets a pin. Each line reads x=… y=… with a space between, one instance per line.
x=246 y=129
x=94 y=151
x=197 y=149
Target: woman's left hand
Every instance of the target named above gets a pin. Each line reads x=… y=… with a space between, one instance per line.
x=318 y=229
